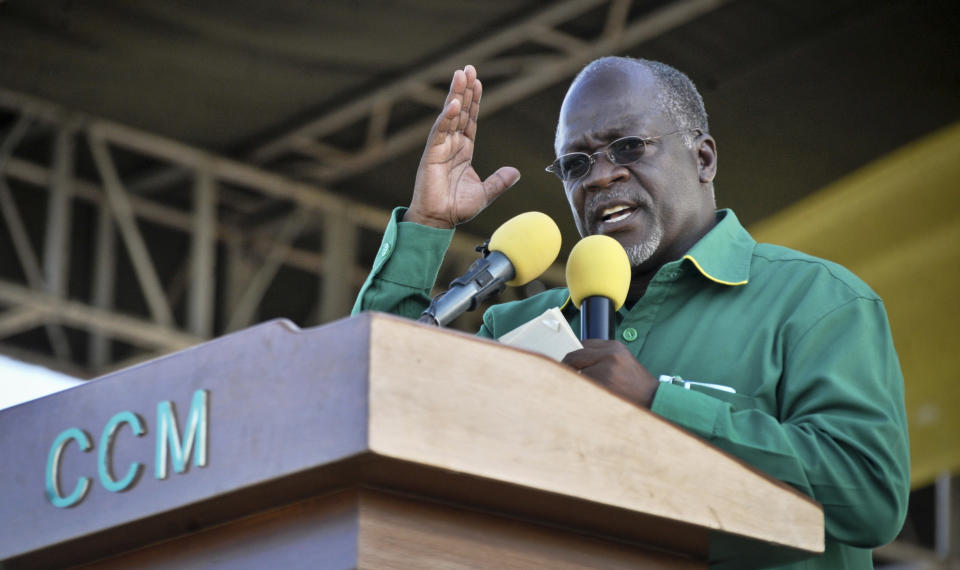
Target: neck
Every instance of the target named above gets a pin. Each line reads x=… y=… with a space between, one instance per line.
x=643 y=274
x=638 y=284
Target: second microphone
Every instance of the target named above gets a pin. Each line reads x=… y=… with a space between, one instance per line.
x=598 y=276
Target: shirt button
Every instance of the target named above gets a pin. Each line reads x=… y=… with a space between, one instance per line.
x=630 y=334
x=384 y=250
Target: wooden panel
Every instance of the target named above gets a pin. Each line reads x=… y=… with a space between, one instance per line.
x=476 y=407
x=399 y=533
x=316 y=533
x=362 y=528
x=549 y=509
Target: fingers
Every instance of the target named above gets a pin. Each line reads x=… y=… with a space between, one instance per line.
x=449 y=116
x=462 y=105
x=583 y=358
x=498 y=182
x=612 y=365
x=473 y=111
x=596 y=351
x=445 y=121
x=470 y=94
x=457 y=86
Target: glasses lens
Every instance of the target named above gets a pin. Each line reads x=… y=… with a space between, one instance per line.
x=573 y=166
x=627 y=150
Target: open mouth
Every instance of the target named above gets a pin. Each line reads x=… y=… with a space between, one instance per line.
x=614 y=214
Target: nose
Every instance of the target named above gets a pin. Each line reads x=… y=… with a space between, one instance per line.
x=603 y=173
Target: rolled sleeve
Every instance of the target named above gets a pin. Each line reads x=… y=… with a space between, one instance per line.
x=405 y=268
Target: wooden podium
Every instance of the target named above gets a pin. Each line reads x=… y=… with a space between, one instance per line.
x=375 y=442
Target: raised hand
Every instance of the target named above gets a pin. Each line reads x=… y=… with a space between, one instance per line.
x=448 y=190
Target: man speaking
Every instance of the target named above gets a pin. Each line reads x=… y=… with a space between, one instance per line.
x=779 y=358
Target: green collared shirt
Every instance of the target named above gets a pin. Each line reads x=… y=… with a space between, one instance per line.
x=819 y=398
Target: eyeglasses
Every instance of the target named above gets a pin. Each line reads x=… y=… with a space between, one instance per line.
x=627 y=150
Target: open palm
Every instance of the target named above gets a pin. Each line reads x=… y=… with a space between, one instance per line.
x=448 y=191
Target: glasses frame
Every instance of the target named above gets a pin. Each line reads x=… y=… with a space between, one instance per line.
x=554 y=167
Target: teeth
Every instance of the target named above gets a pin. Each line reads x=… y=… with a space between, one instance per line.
x=615 y=213
x=612 y=210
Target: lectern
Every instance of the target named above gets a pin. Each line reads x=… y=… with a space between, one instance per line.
x=375 y=442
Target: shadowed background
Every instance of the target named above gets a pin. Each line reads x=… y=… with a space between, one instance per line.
x=174 y=171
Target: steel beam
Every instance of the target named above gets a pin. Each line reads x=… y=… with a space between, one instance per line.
x=104 y=273
x=56 y=252
x=340 y=252
x=136 y=331
x=324 y=162
x=42 y=298
x=29 y=261
x=136 y=246
x=243 y=314
x=202 y=255
x=19 y=319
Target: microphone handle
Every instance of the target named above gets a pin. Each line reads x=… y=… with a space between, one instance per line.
x=597 y=318
x=483 y=279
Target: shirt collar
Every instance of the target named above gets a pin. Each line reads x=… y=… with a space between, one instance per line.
x=723 y=255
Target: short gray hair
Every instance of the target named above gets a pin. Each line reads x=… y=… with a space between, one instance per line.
x=678 y=95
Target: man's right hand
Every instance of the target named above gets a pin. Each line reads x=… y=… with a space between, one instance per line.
x=611 y=365
x=448 y=190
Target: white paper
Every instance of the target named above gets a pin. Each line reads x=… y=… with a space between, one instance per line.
x=548 y=334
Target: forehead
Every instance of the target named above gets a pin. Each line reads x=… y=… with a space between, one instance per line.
x=608 y=104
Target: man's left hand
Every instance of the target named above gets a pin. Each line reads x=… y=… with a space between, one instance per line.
x=612 y=365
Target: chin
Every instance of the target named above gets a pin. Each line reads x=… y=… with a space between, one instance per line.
x=639 y=249
x=641 y=252
x=639 y=255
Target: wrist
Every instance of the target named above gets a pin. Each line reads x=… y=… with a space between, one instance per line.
x=411 y=215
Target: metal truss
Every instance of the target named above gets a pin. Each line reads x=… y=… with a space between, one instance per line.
x=217 y=285
x=132 y=179
x=522 y=59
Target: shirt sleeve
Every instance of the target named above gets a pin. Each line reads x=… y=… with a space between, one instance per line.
x=405 y=268
x=839 y=433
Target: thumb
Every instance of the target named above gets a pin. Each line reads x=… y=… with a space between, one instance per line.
x=498 y=182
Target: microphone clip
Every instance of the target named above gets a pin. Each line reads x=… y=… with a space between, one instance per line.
x=482 y=281
x=478 y=275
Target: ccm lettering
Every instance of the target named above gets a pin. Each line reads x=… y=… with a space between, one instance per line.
x=170 y=448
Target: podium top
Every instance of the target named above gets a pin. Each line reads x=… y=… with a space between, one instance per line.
x=274 y=414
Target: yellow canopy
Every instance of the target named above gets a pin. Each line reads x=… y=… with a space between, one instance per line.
x=896 y=224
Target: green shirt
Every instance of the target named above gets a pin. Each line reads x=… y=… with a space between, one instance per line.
x=819 y=398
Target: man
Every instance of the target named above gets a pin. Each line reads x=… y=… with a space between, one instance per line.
x=818 y=399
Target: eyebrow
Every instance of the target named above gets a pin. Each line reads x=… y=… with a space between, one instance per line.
x=605 y=138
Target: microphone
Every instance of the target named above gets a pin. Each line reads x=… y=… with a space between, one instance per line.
x=517 y=253
x=598 y=276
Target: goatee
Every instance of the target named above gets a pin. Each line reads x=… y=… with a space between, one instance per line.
x=639 y=253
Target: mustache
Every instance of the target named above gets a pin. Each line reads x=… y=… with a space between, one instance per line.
x=596 y=200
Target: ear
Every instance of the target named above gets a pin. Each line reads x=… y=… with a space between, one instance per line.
x=706 y=157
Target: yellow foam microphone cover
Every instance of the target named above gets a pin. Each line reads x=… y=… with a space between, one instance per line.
x=598 y=266
x=531 y=241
